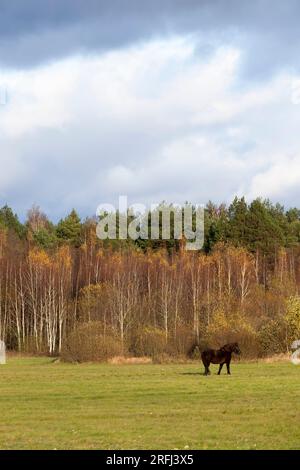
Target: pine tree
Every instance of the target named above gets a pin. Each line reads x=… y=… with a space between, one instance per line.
x=10 y=220
x=237 y=213
x=69 y=229
x=262 y=231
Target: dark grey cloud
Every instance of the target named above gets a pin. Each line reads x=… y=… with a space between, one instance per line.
x=34 y=31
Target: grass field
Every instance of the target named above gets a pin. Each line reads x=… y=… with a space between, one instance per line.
x=46 y=405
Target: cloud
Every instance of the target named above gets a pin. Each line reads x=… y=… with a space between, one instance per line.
x=154 y=121
x=32 y=32
x=37 y=99
x=278 y=181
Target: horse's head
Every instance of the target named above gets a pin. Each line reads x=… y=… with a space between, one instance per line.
x=231 y=348
x=235 y=348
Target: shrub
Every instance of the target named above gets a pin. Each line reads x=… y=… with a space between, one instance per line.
x=293 y=318
x=180 y=344
x=272 y=337
x=89 y=343
x=148 y=341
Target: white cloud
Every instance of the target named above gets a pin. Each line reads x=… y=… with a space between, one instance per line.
x=37 y=99
x=279 y=179
x=154 y=121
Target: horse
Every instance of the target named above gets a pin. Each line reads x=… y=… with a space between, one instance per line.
x=218 y=356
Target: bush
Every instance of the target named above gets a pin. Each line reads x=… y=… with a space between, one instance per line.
x=89 y=343
x=272 y=337
x=181 y=344
x=293 y=318
x=148 y=341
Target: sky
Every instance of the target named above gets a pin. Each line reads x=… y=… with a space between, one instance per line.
x=175 y=100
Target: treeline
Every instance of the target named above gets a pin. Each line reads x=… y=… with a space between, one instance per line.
x=260 y=225
x=63 y=291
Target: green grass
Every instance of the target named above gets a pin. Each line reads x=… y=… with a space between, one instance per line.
x=46 y=405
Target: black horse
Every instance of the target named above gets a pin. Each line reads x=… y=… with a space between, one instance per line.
x=218 y=356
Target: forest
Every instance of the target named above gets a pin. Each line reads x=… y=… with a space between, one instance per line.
x=64 y=292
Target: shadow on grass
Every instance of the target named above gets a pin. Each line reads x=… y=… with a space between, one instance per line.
x=191 y=373
x=202 y=374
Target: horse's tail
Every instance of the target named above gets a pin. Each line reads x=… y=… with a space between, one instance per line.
x=195 y=345
x=200 y=345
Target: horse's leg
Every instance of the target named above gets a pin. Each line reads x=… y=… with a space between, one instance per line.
x=206 y=363
x=228 y=367
x=206 y=366
x=220 y=368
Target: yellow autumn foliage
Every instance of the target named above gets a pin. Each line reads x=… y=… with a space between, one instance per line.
x=39 y=258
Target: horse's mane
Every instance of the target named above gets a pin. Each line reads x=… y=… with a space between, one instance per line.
x=202 y=347
x=199 y=344
x=228 y=347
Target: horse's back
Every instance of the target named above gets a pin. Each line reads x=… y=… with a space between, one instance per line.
x=207 y=354
x=216 y=356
